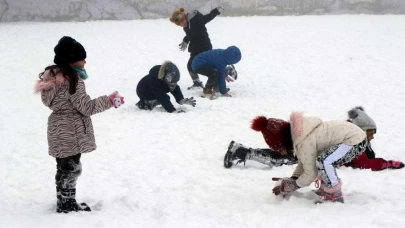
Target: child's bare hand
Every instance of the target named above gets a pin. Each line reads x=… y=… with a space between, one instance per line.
x=229 y=79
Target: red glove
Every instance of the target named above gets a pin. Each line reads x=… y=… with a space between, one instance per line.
x=116 y=99
x=287 y=186
x=394 y=164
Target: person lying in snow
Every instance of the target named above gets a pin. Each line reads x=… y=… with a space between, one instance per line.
x=367 y=160
x=240 y=153
x=153 y=88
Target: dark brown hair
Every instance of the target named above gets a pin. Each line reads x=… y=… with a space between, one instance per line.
x=67 y=73
x=287 y=138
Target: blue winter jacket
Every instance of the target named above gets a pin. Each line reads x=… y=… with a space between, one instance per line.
x=218 y=59
x=151 y=87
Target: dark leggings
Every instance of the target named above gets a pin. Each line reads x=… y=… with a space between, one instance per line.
x=271 y=157
x=67 y=171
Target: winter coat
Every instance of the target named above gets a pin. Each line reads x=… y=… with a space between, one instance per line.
x=218 y=59
x=70 y=130
x=153 y=87
x=196 y=32
x=311 y=137
x=367 y=160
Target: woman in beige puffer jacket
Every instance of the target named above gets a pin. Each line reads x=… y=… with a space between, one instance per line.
x=320 y=148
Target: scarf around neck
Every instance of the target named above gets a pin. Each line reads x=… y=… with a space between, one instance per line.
x=81 y=71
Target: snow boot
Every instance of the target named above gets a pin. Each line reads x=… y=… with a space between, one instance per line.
x=147 y=104
x=209 y=94
x=235 y=151
x=196 y=84
x=333 y=194
x=68 y=202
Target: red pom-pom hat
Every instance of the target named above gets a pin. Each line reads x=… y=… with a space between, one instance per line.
x=273 y=131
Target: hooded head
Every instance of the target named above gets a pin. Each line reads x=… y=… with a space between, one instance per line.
x=178 y=17
x=359 y=117
x=67 y=51
x=276 y=132
x=232 y=55
x=170 y=74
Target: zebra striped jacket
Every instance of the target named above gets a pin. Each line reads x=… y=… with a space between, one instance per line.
x=70 y=130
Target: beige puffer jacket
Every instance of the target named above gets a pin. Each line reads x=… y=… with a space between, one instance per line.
x=311 y=136
x=70 y=130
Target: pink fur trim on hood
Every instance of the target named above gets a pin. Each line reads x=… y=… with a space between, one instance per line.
x=297 y=122
x=48 y=81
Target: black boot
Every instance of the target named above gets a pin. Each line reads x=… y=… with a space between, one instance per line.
x=235 y=151
x=196 y=84
x=147 y=104
x=68 y=202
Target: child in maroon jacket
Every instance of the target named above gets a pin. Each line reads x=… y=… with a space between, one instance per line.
x=367 y=160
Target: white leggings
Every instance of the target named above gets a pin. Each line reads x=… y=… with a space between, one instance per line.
x=334 y=156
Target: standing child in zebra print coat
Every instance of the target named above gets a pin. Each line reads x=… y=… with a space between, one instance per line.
x=70 y=130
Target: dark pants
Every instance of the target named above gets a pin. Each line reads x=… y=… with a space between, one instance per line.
x=212 y=74
x=147 y=104
x=271 y=157
x=192 y=73
x=67 y=171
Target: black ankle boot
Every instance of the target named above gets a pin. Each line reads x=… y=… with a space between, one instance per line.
x=68 y=202
x=236 y=151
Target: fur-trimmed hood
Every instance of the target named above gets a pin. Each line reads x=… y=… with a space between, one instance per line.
x=300 y=128
x=48 y=81
x=162 y=70
x=169 y=72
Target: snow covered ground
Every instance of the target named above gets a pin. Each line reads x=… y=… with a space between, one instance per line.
x=155 y=169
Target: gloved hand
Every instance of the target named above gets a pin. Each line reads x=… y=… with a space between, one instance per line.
x=188 y=101
x=287 y=186
x=220 y=9
x=116 y=99
x=183 y=45
x=395 y=164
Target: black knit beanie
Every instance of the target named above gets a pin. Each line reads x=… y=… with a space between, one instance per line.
x=68 y=50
